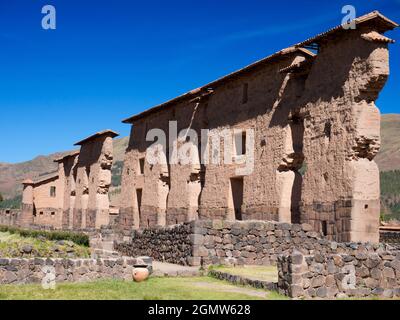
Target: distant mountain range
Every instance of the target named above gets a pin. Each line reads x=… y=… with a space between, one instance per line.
x=389 y=156
x=11 y=175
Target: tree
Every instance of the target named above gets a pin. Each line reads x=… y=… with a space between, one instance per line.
x=1 y=198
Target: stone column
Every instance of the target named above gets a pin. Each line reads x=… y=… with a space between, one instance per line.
x=102 y=202
x=26 y=217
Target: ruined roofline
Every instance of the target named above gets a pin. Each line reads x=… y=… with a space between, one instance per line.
x=194 y=93
x=376 y=37
x=374 y=17
x=69 y=155
x=107 y=132
x=47 y=177
x=27 y=182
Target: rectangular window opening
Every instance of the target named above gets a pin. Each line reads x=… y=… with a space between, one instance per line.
x=53 y=192
x=240 y=143
x=237 y=196
x=141 y=166
x=139 y=193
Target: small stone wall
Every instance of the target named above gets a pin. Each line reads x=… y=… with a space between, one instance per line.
x=172 y=244
x=208 y=242
x=252 y=242
x=25 y=271
x=390 y=236
x=9 y=217
x=360 y=273
x=243 y=281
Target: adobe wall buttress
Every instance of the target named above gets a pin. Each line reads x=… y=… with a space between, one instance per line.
x=93 y=180
x=25 y=219
x=341 y=138
x=68 y=168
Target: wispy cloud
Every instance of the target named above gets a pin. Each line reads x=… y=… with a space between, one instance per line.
x=275 y=29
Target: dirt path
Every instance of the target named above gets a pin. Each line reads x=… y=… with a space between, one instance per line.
x=174 y=270
x=231 y=288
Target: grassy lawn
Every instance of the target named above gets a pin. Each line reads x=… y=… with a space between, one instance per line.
x=11 y=245
x=266 y=273
x=196 y=288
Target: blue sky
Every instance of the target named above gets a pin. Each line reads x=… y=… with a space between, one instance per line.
x=108 y=60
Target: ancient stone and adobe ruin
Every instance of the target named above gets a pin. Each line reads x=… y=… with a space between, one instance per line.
x=76 y=196
x=303 y=120
x=316 y=133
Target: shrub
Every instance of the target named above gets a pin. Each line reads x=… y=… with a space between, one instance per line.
x=78 y=238
x=14 y=203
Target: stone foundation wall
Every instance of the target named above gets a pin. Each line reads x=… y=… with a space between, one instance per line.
x=24 y=271
x=390 y=237
x=171 y=244
x=244 y=281
x=207 y=242
x=360 y=273
x=335 y=216
x=261 y=243
x=253 y=242
x=211 y=242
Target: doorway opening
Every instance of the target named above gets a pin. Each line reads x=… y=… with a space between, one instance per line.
x=324 y=227
x=237 y=196
x=139 y=193
x=297 y=130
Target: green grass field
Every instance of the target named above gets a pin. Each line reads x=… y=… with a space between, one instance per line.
x=196 y=288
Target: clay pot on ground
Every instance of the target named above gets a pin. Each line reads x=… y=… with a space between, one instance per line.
x=140 y=274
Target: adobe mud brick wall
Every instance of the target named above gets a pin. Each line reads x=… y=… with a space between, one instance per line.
x=316 y=134
x=24 y=271
x=363 y=271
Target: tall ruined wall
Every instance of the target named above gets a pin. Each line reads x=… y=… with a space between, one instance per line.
x=144 y=186
x=76 y=197
x=93 y=179
x=87 y=158
x=26 y=217
x=68 y=168
x=316 y=133
x=342 y=136
x=269 y=99
x=173 y=194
